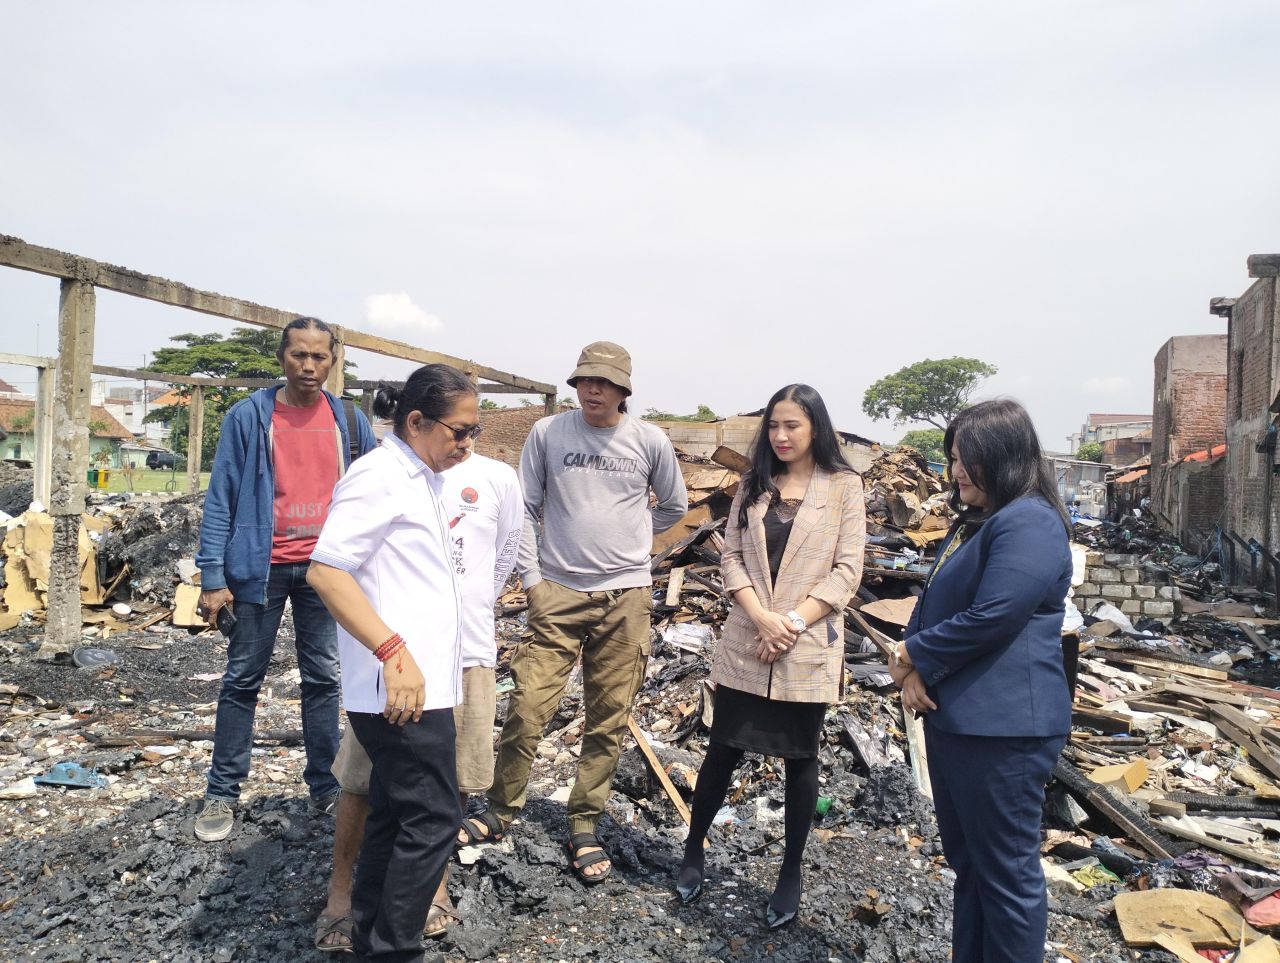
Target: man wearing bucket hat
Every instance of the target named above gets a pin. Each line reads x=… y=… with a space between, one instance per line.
x=584 y=561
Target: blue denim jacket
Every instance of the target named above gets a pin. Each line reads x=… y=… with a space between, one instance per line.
x=235 y=535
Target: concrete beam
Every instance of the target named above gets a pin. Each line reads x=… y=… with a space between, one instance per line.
x=71 y=409
x=42 y=421
x=195 y=438
x=141 y=374
x=1221 y=307
x=484 y=387
x=1264 y=265
x=335 y=384
x=17 y=253
x=35 y=361
x=42 y=486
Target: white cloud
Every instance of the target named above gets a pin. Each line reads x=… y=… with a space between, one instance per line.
x=396 y=316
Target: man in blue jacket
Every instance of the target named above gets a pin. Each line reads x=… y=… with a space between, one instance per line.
x=280 y=453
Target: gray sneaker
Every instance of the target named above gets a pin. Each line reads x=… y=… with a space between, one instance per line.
x=215 y=821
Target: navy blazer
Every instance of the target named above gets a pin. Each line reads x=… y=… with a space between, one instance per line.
x=986 y=637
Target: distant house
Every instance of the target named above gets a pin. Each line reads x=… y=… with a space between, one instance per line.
x=131 y=406
x=1124 y=438
x=17 y=422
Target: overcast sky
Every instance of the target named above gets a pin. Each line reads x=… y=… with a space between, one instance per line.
x=743 y=194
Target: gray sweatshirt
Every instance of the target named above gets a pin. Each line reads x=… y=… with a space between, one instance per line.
x=586 y=492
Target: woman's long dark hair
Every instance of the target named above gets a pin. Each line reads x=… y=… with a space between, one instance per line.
x=999 y=449
x=433 y=390
x=765 y=465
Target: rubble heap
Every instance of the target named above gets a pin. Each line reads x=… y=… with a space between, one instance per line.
x=1164 y=806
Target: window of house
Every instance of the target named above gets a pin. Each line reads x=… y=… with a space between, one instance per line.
x=1239 y=382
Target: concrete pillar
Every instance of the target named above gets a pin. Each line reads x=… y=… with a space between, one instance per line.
x=550 y=406
x=195 y=437
x=336 y=383
x=70 y=462
x=44 y=435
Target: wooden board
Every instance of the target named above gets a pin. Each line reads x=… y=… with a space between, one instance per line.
x=693 y=520
x=1250 y=854
x=1202 y=919
x=893 y=611
x=656 y=766
x=184 y=607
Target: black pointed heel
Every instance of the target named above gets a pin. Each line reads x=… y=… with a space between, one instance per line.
x=688 y=892
x=777 y=920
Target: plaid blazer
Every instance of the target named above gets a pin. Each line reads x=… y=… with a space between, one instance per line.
x=823 y=559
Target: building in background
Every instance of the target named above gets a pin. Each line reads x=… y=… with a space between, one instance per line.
x=17 y=418
x=1124 y=438
x=1188 y=437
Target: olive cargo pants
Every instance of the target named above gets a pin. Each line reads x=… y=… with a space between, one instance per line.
x=611 y=631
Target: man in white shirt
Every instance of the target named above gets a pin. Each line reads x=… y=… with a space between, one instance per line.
x=485 y=512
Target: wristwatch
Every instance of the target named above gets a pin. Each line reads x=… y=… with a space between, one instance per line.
x=797 y=620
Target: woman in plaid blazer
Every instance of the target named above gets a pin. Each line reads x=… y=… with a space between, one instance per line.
x=792 y=558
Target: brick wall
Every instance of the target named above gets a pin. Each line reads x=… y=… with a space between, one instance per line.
x=1125 y=451
x=1251 y=385
x=1190 y=414
x=505 y=430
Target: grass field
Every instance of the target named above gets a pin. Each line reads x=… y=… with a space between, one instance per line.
x=145 y=480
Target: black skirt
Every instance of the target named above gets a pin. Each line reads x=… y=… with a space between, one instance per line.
x=770 y=727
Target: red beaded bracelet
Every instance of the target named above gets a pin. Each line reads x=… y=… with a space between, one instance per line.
x=389 y=648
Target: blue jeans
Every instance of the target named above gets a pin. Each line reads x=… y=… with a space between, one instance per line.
x=249 y=654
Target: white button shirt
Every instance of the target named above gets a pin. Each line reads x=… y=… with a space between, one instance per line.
x=387 y=528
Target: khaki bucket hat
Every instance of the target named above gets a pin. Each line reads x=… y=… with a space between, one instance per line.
x=604 y=359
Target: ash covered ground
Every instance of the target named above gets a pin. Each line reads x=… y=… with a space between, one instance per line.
x=115 y=874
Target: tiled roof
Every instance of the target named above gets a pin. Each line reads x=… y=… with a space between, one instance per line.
x=16 y=409
x=1097 y=420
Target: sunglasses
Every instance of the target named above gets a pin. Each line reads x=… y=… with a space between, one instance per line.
x=460 y=434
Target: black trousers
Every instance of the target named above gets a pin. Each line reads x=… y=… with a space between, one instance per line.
x=413 y=822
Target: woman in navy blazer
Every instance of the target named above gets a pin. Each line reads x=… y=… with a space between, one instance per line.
x=983 y=663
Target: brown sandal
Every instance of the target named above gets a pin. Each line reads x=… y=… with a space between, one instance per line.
x=327 y=926
x=438 y=919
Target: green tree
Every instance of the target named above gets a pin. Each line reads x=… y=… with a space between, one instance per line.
x=245 y=353
x=703 y=413
x=930 y=391
x=927 y=441
x=1089 y=451
x=488 y=404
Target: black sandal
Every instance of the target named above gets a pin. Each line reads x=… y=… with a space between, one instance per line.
x=489 y=821
x=578 y=842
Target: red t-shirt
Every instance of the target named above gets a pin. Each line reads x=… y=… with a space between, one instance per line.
x=306 y=456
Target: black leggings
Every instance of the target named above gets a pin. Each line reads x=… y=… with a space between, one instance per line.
x=801 y=799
